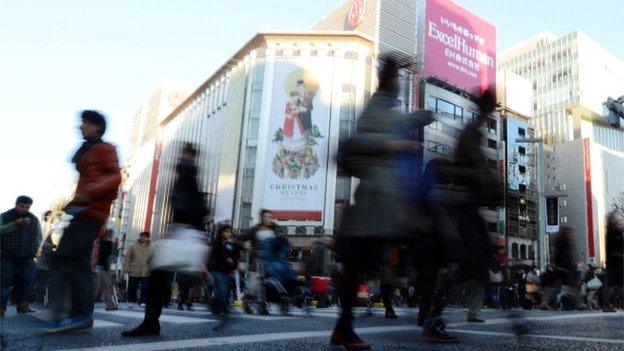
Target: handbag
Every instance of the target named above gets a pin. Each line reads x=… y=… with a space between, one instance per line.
x=496 y=277
x=594 y=284
x=531 y=288
x=183 y=250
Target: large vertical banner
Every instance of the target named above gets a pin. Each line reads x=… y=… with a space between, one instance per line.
x=298 y=130
x=460 y=47
x=589 y=197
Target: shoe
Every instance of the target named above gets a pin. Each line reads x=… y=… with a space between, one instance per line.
x=24 y=308
x=142 y=330
x=74 y=323
x=609 y=310
x=475 y=320
x=391 y=314
x=189 y=307
x=434 y=332
x=115 y=308
x=348 y=340
x=180 y=308
x=545 y=308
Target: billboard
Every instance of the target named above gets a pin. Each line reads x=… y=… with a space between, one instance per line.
x=552 y=214
x=296 y=170
x=459 y=47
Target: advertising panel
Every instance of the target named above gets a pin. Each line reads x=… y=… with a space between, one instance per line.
x=298 y=128
x=459 y=47
x=552 y=214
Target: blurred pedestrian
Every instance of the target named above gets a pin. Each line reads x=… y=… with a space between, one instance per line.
x=549 y=287
x=383 y=208
x=614 y=272
x=19 y=244
x=593 y=285
x=566 y=271
x=483 y=189
x=99 y=178
x=105 y=277
x=189 y=212
x=136 y=266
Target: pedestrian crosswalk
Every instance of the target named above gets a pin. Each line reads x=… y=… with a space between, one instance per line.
x=167 y=318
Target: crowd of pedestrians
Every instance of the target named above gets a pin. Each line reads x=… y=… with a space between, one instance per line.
x=402 y=223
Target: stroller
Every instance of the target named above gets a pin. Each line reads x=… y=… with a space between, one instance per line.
x=274 y=280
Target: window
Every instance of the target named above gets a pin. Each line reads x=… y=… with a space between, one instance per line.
x=521 y=150
x=522 y=188
x=523 y=252
x=446 y=108
x=521 y=132
x=514 y=250
x=491 y=125
x=473 y=116
x=491 y=144
x=522 y=169
x=492 y=164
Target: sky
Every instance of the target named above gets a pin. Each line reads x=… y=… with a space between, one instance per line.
x=60 y=57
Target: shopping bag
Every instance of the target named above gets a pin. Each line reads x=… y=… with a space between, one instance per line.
x=183 y=250
x=496 y=277
x=531 y=288
x=594 y=284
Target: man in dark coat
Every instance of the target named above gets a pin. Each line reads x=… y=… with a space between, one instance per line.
x=99 y=178
x=18 y=249
x=615 y=260
x=483 y=189
x=383 y=207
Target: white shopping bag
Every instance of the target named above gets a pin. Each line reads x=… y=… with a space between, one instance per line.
x=183 y=250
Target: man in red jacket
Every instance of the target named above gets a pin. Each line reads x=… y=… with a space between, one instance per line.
x=99 y=178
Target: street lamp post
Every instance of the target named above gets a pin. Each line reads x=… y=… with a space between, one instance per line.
x=542 y=239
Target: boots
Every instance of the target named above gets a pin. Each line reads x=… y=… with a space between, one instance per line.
x=23 y=307
x=144 y=329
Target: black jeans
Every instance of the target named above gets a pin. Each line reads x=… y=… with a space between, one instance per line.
x=72 y=275
x=360 y=256
x=158 y=294
x=133 y=283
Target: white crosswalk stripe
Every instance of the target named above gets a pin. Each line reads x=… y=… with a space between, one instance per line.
x=168 y=318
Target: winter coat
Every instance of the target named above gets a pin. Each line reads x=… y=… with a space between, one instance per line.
x=187 y=202
x=384 y=208
x=221 y=251
x=483 y=189
x=22 y=242
x=99 y=180
x=136 y=262
x=615 y=256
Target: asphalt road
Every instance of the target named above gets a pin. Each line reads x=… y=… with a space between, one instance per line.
x=193 y=330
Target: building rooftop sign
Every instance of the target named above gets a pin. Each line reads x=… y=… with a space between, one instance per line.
x=356 y=12
x=459 y=47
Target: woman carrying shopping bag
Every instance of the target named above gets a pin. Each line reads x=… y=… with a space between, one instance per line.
x=183 y=250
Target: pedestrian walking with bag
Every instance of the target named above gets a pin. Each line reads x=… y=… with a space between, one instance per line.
x=185 y=247
x=384 y=206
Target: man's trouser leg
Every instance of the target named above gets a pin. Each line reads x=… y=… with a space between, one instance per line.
x=107 y=288
x=24 y=274
x=71 y=269
x=6 y=280
x=549 y=293
x=133 y=284
x=144 y=289
x=159 y=290
x=476 y=299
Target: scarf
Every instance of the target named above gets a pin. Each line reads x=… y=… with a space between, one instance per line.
x=84 y=148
